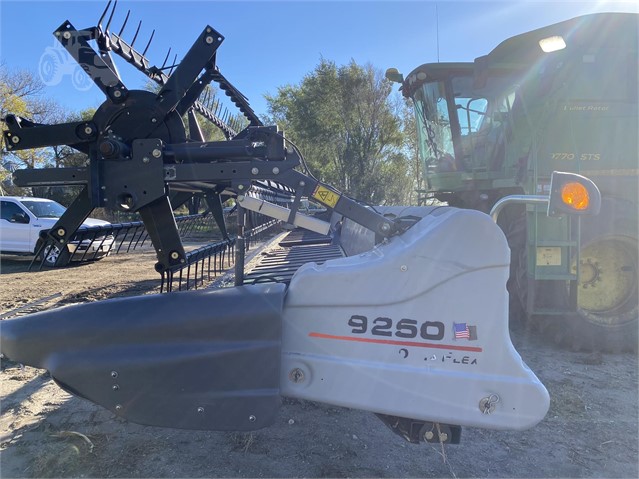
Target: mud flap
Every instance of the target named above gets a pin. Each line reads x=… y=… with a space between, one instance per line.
x=194 y=360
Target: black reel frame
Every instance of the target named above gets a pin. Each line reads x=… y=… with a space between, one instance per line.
x=141 y=158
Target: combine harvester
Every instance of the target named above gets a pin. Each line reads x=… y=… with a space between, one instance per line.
x=376 y=330
x=563 y=97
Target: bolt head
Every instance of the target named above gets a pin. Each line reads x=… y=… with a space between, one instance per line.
x=114 y=374
x=385 y=227
x=117 y=93
x=209 y=40
x=145 y=159
x=429 y=435
x=403 y=268
x=254 y=171
x=252 y=418
x=88 y=130
x=61 y=231
x=276 y=170
x=66 y=35
x=156 y=153
x=115 y=387
x=15 y=139
x=200 y=409
x=154 y=120
x=118 y=407
x=175 y=255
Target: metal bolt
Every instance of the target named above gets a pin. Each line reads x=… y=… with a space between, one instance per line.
x=252 y=418
x=403 y=267
x=296 y=375
x=118 y=407
x=429 y=435
x=443 y=437
x=302 y=183
x=385 y=227
x=240 y=187
x=254 y=171
x=175 y=255
x=15 y=139
x=276 y=170
x=66 y=35
x=61 y=231
x=200 y=409
x=154 y=120
x=145 y=159
x=156 y=153
x=103 y=188
x=88 y=130
x=117 y=93
x=208 y=40
x=114 y=374
x=115 y=387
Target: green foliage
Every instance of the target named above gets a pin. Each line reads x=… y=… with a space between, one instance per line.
x=345 y=122
x=21 y=93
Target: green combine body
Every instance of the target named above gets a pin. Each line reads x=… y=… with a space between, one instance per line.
x=563 y=97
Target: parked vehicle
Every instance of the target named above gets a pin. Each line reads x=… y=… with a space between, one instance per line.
x=23 y=219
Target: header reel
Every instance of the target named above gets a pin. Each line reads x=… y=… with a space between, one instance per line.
x=143 y=158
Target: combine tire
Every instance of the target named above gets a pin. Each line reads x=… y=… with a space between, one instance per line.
x=608 y=291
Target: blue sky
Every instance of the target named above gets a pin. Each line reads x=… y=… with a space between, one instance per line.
x=270 y=44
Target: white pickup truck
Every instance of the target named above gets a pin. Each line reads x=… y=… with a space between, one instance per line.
x=22 y=219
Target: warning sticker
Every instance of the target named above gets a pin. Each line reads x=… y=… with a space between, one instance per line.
x=548 y=256
x=326 y=196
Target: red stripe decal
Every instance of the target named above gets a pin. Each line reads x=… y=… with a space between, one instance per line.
x=396 y=343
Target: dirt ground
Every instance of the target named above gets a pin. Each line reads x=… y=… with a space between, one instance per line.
x=591 y=429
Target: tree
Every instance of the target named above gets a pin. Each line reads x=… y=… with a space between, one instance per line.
x=344 y=121
x=22 y=94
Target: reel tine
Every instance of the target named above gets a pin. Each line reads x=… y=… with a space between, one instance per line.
x=165 y=59
x=149 y=44
x=115 y=4
x=126 y=19
x=136 y=34
x=173 y=65
x=104 y=14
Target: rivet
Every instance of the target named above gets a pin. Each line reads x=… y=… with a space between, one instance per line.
x=114 y=374
x=154 y=120
x=15 y=139
x=254 y=171
x=118 y=407
x=88 y=130
x=200 y=409
x=145 y=159
x=115 y=387
x=117 y=93
x=276 y=170
x=103 y=188
x=302 y=183
x=403 y=267
x=175 y=255
x=61 y=231
x=252 y=418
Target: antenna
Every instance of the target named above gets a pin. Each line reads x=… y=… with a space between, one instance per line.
x=437 y=28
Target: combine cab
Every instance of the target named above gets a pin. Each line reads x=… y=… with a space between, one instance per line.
x=375 y=329
x=563 y=97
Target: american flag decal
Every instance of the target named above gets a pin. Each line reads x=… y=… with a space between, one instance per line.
x=464 y=331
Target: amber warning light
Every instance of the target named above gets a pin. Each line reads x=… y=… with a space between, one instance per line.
x=571 y=193
x=575 y=195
